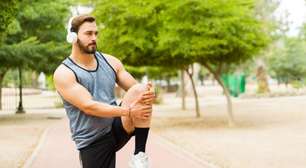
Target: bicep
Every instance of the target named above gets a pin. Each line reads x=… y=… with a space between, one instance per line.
x=75 y=94
x=125 y=80
x=72 y=91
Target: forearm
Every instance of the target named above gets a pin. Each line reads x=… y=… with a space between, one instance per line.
x=99 y=109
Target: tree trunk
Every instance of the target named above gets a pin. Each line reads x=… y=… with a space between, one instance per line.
x=231 y=121
x=20 y=109
x=2 y=74
x=34 y=80
x=1 y=80
x=195 y=94
x=183 y=90
x=1 y=93
x=168 y=84
x=202 y=82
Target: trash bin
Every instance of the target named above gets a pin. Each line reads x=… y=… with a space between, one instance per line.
x=234 y=83
x=242 y=82
x=224 y=78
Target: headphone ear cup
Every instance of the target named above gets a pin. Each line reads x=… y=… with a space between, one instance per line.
x=71 y=37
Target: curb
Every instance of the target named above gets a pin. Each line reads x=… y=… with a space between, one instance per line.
x=37 y=149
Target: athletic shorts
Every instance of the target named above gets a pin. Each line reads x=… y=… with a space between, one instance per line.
x=102 y=152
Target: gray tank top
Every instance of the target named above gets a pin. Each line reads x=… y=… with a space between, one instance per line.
x=100 y=83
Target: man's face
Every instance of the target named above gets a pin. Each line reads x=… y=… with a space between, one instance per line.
x=87 y=37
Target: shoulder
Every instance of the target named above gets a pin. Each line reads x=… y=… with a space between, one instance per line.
x=63 y=75
x=115 y=62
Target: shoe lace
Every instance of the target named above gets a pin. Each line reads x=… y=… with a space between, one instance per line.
x=142 y=158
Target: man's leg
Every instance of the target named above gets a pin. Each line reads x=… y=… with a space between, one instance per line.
x=99 y=154
x=141 y=127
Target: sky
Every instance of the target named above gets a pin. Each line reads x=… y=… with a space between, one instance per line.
x=297 y=14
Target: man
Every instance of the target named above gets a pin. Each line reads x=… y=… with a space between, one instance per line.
x=86 y=81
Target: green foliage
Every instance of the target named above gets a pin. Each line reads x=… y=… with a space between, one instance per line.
x=42 y=19
x=8 y=10
x=153 y=72
x=287 y=64
x=178 y=33
x=202 y=73
x=129 y=29
x=265 y=11
x=273 y=27
x=11 y=78
x=214 y=32
x=16 y=54
x=161 y=72
x=136 y=72
x=36 y=36
x=32 y=54
x=50 y=84
x=297 y=84
x=302 y=33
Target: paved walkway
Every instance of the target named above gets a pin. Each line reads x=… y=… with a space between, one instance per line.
x=56 y=149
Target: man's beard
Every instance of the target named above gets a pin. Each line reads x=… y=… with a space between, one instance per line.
x=89 y=49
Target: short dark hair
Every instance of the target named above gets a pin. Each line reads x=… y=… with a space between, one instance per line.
x=79 y=20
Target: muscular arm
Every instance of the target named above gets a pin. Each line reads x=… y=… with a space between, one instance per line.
x=78 y=96
x=124 y=79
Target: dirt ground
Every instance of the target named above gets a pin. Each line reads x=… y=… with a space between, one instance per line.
x=270 y=132
x=19 y=136
x=20 y=133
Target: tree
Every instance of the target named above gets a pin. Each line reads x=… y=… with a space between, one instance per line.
x=240 y=38
x=35 y=38
x=276 y=27
x=203 y=73
x=214 y=33
x=131 y=30
x=7 y=13
x=288 y=62
x=176 y=34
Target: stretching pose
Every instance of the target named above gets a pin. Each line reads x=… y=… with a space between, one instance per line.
x=86 y=80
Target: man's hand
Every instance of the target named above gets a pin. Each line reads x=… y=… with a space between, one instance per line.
x=142 y=107
x=140 y=110
x=148 y=97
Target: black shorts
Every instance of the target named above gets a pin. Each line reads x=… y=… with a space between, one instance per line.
x=102 y=152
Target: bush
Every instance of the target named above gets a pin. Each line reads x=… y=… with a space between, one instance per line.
x=297 y=84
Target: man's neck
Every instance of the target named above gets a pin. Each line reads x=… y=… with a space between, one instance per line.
x=82 y=58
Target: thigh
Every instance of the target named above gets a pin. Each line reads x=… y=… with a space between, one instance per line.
x=100 y=154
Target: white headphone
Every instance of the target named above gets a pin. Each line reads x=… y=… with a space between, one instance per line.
x=71 y=35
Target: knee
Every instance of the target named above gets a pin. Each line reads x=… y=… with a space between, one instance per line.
x=138 y=88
